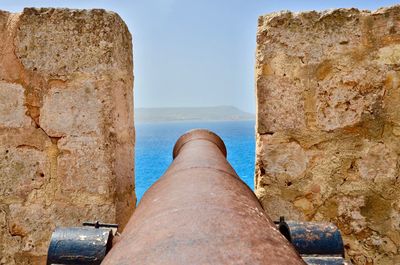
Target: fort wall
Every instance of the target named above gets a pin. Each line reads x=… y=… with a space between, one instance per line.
x=66 y=126
x=328 y=124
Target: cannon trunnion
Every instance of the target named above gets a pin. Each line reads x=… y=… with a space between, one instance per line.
x=201 y=212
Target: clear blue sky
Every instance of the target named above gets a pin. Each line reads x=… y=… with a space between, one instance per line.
x=195 y=52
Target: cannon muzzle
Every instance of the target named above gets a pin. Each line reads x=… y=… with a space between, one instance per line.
x=201 y=212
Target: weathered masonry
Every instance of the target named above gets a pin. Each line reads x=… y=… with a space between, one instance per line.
x=66 y=125
x=328 y=124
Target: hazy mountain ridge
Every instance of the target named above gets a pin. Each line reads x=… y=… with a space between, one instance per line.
x=219 y=113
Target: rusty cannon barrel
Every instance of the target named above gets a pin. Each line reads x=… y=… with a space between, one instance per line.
x=201 y=212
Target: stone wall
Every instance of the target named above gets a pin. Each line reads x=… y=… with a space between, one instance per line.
x=66 y=126
x=328 y=124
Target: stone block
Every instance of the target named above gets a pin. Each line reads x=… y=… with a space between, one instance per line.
x=12 y=109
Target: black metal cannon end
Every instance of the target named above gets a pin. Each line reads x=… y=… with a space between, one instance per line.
x=79 y=245
x=317 y=243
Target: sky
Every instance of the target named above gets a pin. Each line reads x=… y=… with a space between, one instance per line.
x=191 y=53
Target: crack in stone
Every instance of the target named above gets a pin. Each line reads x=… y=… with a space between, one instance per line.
x=27 y=146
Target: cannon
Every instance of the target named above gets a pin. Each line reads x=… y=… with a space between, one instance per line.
x=199 y=212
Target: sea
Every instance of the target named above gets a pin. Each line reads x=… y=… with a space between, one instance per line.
x=155 y=141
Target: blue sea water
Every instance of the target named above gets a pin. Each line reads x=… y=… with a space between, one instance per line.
x=155 y=141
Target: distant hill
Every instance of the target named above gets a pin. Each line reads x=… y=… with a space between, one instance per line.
x=220 y=113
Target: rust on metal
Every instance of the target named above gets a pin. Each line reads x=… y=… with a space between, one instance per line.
x=201 y=212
